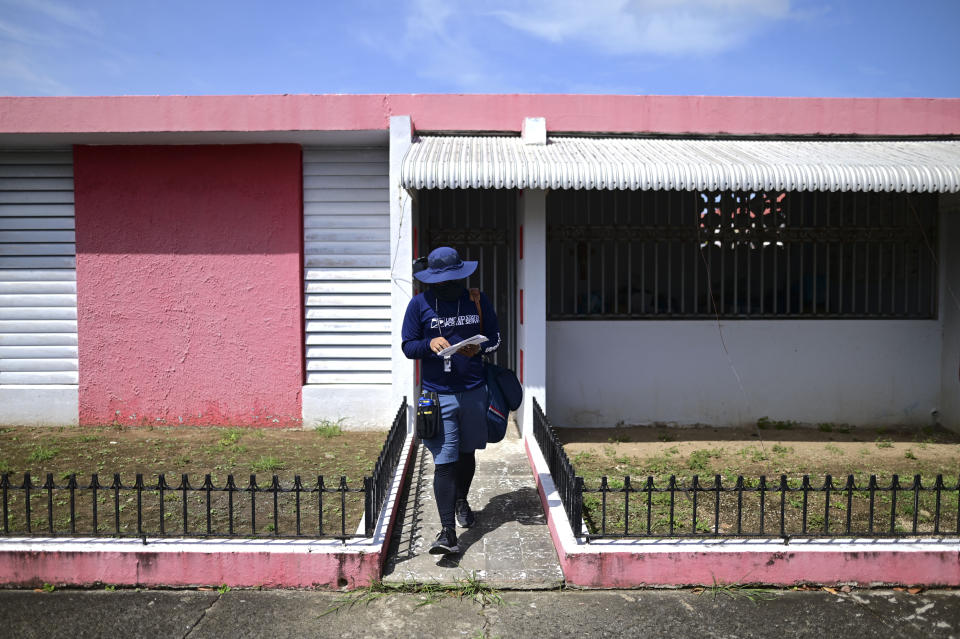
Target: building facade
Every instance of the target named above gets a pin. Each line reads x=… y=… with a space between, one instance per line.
x=246 y=259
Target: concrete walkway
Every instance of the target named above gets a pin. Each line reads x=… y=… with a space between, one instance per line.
x=670 y=614
x=510 y=545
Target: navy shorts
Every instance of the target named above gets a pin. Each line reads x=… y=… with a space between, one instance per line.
x=464 y=418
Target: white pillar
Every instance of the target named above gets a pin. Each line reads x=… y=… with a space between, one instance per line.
x=401 y=257
x=531 y=303
x=532 y=287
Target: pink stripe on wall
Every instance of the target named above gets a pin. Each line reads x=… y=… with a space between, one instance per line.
x=600 y=113
x=189 y=288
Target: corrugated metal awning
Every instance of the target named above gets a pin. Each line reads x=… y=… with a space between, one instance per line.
x=452 y=162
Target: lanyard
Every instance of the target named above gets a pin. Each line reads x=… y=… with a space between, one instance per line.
x=436 y=309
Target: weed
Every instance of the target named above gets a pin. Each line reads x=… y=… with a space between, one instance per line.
x=834 y=450
x=266 y=463
x=48 y=587
x=884 y=442
x=755 y=454
x=5 y=467
x=584 y=456
x=781 y=450
x=328 y=428
x=229 y=438
x=736 y=590
x=223 y=589
x=831 y=427
x=41 y=453
x=909 y=454
x=475 y=589
x=765 y=422
x=700 y=459
x=109 y=587
x=468 y=587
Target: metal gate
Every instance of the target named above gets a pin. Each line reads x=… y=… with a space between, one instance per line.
x=480 y=225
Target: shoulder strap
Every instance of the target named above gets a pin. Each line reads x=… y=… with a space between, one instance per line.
x=475 y=297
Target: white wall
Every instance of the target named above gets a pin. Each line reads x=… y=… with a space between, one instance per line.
x=858 y=372
x=950 y=310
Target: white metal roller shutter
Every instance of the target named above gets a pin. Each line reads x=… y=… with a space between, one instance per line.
x=347 y=265
x=38 y=288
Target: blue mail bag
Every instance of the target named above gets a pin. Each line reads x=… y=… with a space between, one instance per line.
x=504 y=394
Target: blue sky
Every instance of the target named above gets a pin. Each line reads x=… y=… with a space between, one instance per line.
x=846 y=48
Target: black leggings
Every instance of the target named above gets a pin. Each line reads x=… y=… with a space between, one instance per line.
x=450 y=483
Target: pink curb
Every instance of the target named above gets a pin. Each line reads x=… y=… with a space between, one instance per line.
x=641 y=563
x=238 y=563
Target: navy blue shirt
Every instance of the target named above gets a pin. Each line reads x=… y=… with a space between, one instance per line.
x=427 y=318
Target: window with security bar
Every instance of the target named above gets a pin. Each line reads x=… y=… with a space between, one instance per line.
x=690 y=255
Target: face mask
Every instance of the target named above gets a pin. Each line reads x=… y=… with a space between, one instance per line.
x=448 y=291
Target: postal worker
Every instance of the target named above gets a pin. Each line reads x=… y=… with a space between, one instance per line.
x=446 y=314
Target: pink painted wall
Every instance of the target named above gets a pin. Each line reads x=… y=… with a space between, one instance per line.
x=189 y=288
x=604 y=113
x=33 y=568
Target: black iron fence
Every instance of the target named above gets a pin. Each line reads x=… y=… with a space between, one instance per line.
x=158 y=508
x=749 y=507
x=790 y=507
x=569 y=485
x=385 y=468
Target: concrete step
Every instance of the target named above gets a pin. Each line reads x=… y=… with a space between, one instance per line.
x=508 y=547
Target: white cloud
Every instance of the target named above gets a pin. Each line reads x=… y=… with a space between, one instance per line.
x=455 y=42
x=438 y=44
x=666 y=27
x=26 y=79
x=37 y=41
x=67 y=15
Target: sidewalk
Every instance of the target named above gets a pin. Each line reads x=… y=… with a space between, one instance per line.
x=861 y=614
x=510 y=545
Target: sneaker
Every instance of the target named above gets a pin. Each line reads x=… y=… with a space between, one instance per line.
x=465 y=517
x=446 y=543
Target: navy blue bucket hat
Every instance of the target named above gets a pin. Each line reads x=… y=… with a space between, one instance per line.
x=444 y=264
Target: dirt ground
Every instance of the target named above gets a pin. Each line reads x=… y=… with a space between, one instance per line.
x=770 y=449
x=196 y=452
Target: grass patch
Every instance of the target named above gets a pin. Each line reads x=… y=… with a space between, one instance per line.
x=700 y=459
x=267 y=464
x=42 y=453
x=196 y=452
x=734 y=453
